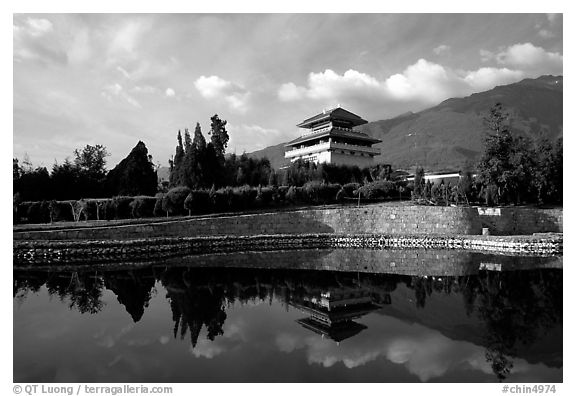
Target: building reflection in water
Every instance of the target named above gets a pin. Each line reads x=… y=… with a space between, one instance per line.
x=332 y=312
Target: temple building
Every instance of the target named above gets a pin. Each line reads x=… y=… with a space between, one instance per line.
x=330 y=139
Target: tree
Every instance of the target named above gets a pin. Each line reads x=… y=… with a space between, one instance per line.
x=465 y=183
x=65 y=180
x=177 y=168
x=218 y=136
x=134 y=175
x=507 y=162
x=548 y=176
x=419 y=183
x=91 y=162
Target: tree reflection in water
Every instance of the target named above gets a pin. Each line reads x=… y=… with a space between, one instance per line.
x=515 y=308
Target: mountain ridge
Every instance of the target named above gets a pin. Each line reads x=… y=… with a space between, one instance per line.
x=448 y=135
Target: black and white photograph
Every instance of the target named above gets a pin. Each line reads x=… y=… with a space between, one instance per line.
x=303 y=197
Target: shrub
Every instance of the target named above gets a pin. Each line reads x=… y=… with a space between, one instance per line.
x=315 y=192
x=142 y=206
x=242 y=198
x=38 y=212
x=294 y=194
x=109 y=210
x=279 y=195
x=22 y=211
x=198 y=201
x=351 y=189
x=158 y=211
x=121 y=207
x=91 y=211
x=341 y=195
x=378 y=189
x=173 y=201
x=60 y=211
x=264 y=196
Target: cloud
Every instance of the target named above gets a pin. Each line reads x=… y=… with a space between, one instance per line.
x=170 y=92
x=32 y=42
x=207 y=349
x=216 y=88
x=37 y=27
x=125 y=39
x=442 y=49
x=529 y=57
x=486 y=56
x=552 y=18
x=330 y=85
x=488 y=77
x=423 y=352
x=114 y=91
x=251 y=137
x=290 y=92
x=423 y=81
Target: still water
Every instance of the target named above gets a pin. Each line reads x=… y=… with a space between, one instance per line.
x=301 y=316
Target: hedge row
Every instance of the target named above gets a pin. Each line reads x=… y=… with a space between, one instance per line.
x=183 y=201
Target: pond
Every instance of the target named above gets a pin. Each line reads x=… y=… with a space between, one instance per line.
x=350 y=315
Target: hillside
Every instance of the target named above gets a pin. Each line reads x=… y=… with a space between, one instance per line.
x=451 y=133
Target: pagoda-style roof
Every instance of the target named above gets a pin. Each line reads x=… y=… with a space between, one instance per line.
x=334 y=132
x=337 y=113
x=337 y=332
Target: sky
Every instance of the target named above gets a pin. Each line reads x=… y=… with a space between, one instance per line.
x=115 y=79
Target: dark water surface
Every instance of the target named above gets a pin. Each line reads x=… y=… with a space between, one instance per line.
x=303 y=316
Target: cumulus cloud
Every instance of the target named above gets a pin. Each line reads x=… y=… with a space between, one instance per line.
x=527 y=56
x=216 y=88
x=170 y=92
x=423 y=81
x=441 y=49
x=488 y=77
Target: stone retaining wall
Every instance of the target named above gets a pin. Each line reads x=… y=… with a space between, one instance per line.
x=46 y=252
x=381 y=219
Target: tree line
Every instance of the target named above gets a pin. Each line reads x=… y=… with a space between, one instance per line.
x=86 y=176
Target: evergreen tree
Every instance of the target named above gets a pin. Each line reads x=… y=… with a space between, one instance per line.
x=199 y=142
x=419 y=183
x=187 y=141
x=134 y=175
x=219 y=136
x=195 y=159
x=507 y=162
x=65 y=181
x=177 y=177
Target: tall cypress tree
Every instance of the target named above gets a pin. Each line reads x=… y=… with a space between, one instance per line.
x=177 y=173
x=219 y=136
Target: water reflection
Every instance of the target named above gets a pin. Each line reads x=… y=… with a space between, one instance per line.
x=515 y=316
